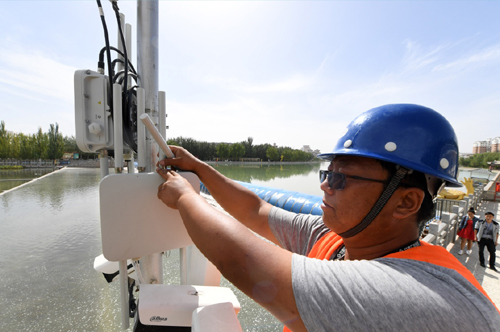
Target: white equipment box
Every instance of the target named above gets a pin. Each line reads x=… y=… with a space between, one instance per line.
x=93 y=121
x=173 y=305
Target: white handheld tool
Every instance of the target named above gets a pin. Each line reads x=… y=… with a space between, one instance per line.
x=156 y=135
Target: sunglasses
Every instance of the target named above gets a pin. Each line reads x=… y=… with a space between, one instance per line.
x=337 y=180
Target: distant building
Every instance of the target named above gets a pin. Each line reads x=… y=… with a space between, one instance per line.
x=490 y=145
x=307 y=148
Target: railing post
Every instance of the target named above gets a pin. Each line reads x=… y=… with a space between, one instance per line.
x=456 y=212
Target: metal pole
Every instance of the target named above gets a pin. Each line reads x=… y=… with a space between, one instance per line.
x=147 y=70
x=123 y=275
x=119 y=65
x=128 y=42
x=162 y=105
x=117 y=126
x=103 y=163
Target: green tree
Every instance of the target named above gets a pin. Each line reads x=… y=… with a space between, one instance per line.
x=260 y=151
x=479 y=160
x=25 y=147
x=55 y=143
x=4 y=142
x=69 y=143
x=223 y=150
x=272 y=153
x=15 y=146
x=248 y=144
x=237 y=151
x=287 y=154
x=41 y=145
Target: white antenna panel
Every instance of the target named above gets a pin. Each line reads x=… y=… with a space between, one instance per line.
x=134 y=222
x=94 y=125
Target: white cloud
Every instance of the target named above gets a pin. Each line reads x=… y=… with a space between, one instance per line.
x=481 y=58
x=30 y=72
x=415 y=58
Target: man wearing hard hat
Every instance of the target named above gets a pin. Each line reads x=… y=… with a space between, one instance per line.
x=361 y=265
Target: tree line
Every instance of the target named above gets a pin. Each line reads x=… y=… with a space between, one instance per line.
x=241 y=150
x=479 y=160
x=52 y=145
x=49 y=145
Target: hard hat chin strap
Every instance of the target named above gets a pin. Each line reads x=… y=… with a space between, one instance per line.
x=379 y=205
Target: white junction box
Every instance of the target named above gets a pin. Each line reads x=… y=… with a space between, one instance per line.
x=173 y=305
x=93 y=120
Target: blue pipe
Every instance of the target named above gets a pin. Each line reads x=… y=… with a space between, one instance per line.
x=288 y=200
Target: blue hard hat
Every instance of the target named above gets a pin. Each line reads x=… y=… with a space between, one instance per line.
x=408 y=135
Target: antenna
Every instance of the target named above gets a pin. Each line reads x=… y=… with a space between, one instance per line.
x=156 y=135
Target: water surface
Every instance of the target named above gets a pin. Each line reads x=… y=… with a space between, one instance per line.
x=10 y=178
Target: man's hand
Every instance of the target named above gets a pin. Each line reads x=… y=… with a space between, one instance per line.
x=183 y=160
x=174 y=188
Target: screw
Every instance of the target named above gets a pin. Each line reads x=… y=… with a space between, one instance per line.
x=86 y=95
x=88 y=72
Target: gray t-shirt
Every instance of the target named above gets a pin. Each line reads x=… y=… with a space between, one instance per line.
x=488 y=231
x=384 y=294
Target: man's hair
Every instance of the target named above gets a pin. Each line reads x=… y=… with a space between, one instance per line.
x=416 y=180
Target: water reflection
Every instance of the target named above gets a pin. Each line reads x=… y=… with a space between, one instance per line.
x=13 y=178
x=294 y=177
x=50 y=236
x=63 y=184
x=264 y=172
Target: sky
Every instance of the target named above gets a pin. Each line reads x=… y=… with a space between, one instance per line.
x=292 y=73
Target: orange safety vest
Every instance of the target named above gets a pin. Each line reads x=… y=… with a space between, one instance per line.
x=330 y=242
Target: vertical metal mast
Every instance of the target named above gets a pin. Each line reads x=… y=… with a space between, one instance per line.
x=147 y=70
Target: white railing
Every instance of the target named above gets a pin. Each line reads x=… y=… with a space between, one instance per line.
x=443 y=228
x=26 y=162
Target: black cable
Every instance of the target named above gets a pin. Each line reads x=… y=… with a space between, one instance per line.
x=101 y=57
x=122 y=73
x=115 y=61
x=128 y=122
x=125 y=83
x=132 y=306
x=134 y=76
x=108 y=53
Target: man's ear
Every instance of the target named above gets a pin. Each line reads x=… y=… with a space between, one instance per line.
x=410 y=200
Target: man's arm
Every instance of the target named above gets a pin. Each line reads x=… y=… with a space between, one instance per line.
x=496 y=239
x=260 y=269
x=238 y=201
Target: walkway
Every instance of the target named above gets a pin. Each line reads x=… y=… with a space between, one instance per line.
x=488 y=278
